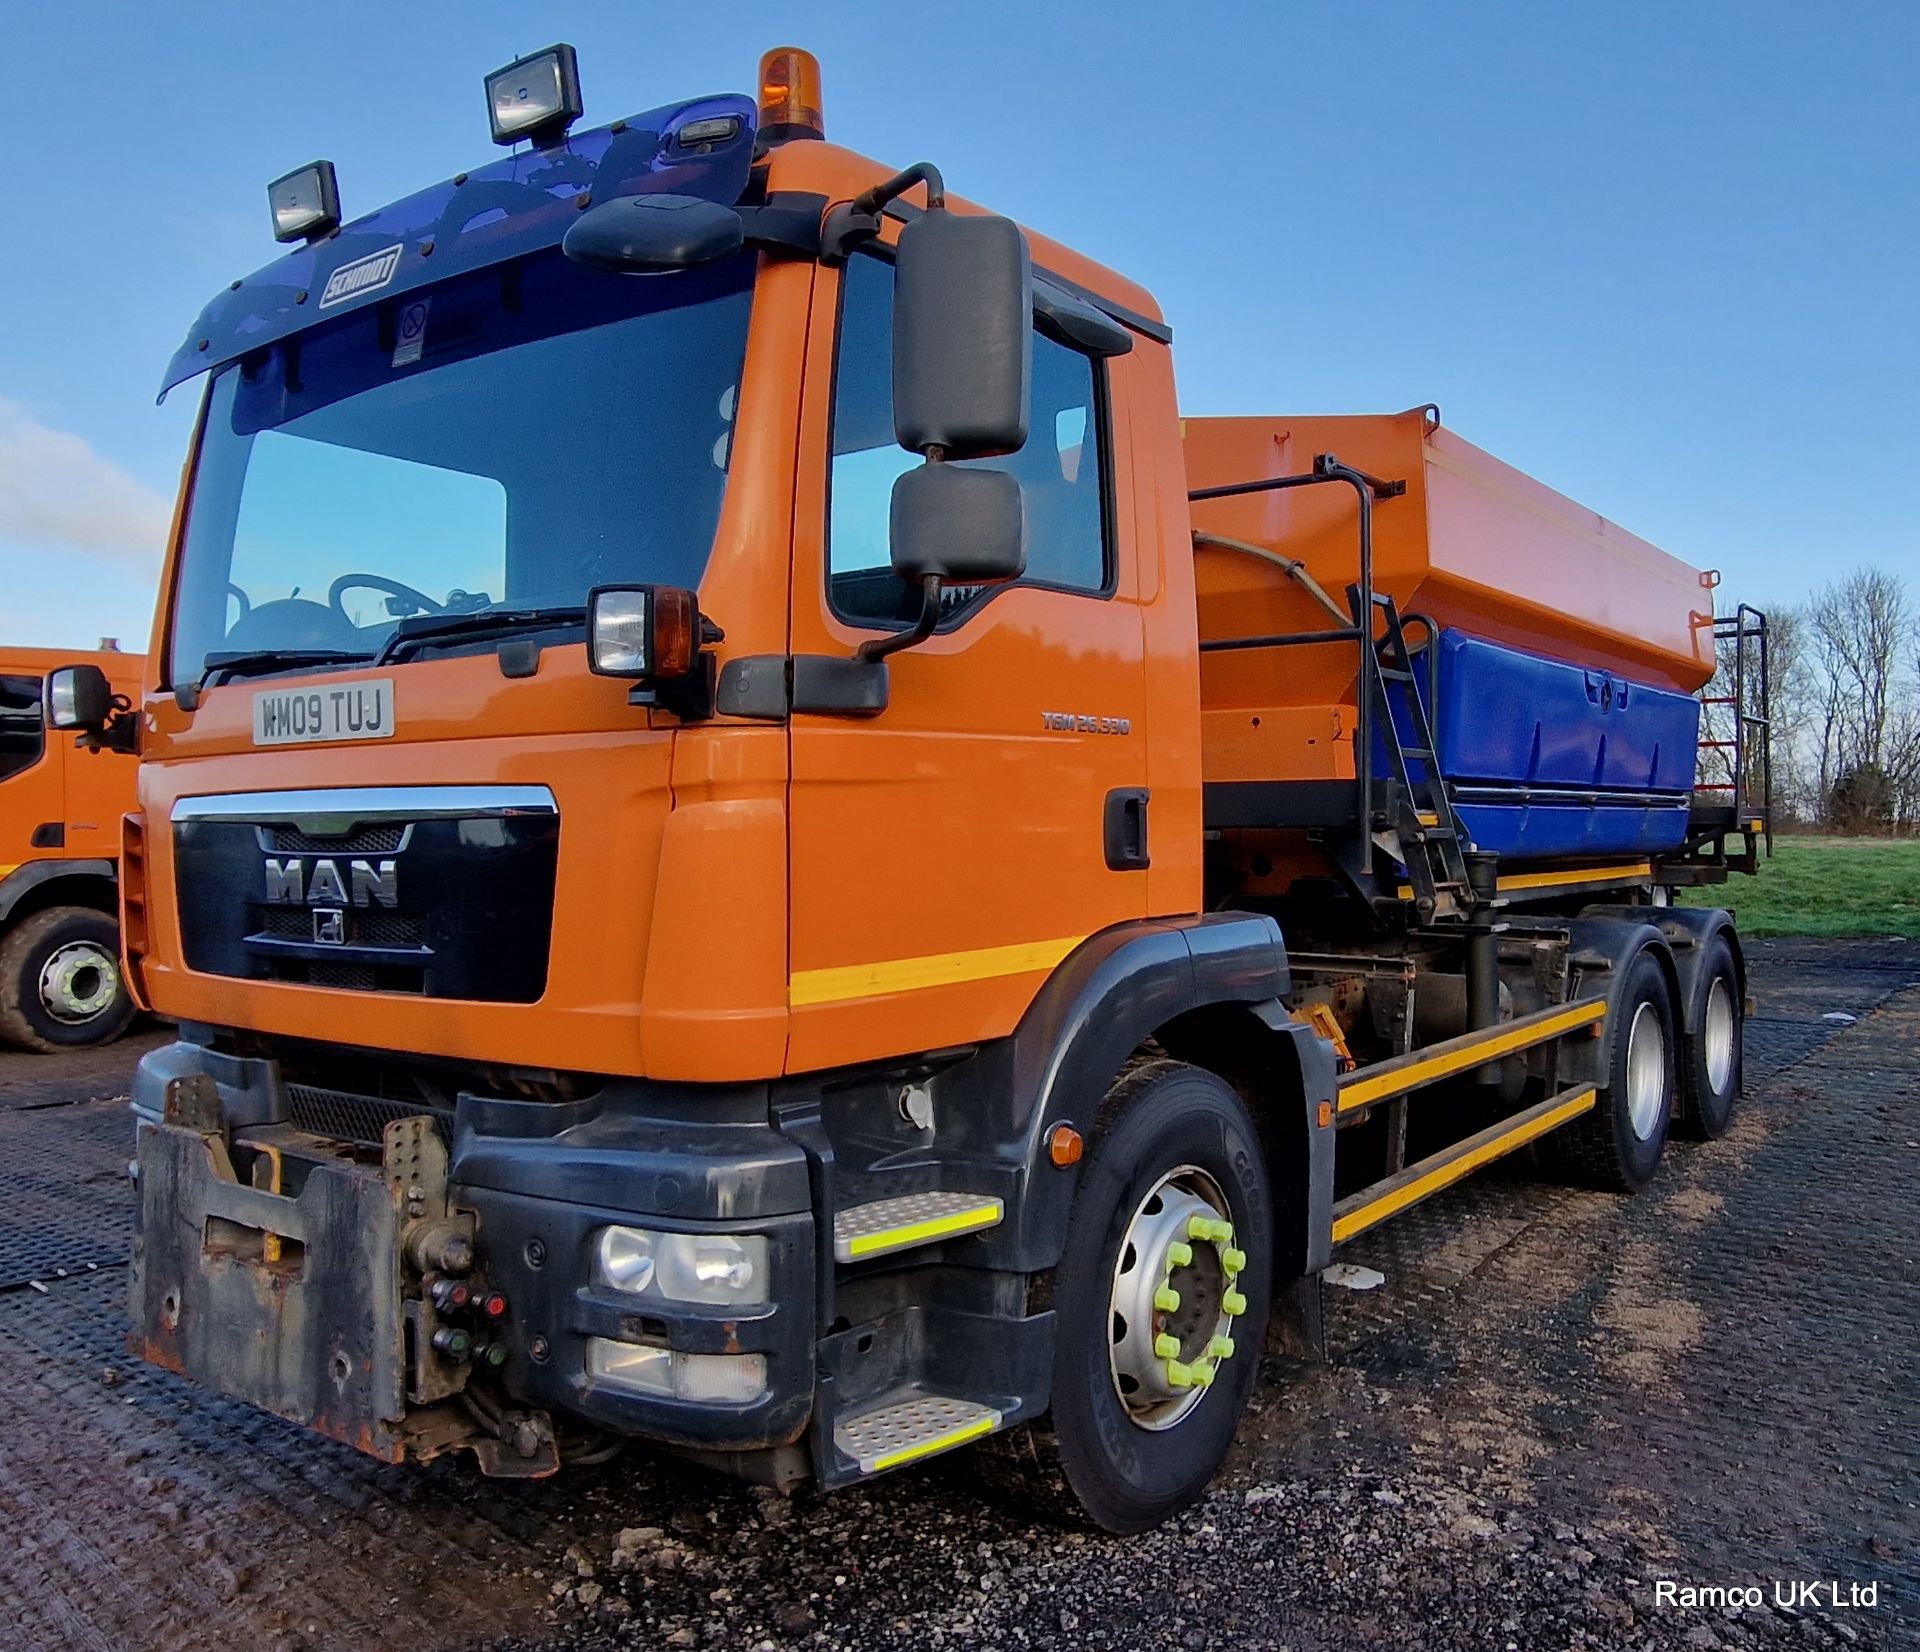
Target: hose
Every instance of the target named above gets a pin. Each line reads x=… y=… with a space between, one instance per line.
x=1291 y=566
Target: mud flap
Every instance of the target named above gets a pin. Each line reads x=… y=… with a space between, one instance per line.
x=290 y=1303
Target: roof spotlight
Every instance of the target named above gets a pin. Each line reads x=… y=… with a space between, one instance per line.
x=305 y=204
x=535 y=97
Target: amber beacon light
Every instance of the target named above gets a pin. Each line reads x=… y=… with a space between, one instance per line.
x=790 y=96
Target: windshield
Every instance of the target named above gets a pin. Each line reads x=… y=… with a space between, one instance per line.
x=500 y=445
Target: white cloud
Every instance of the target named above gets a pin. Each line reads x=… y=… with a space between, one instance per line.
x=56 y=490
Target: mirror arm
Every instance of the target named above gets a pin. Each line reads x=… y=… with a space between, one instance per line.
x=921 y=172
x=878 y=648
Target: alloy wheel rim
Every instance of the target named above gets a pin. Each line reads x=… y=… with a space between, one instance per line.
x=1718 y=1036
x=1646 y=1071
x=78 y=982
x=1173 y=1301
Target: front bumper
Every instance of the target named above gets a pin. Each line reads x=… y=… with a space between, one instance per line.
x=327 y=1331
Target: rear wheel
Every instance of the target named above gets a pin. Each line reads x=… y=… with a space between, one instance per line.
x=1710 y=1061
x=60 y=981
x=1618 y=1144
x=1160 y=1301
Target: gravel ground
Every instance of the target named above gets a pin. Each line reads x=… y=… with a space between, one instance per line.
x=1555 y=1401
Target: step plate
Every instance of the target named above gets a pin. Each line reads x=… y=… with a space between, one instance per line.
x=912 y=1428
x=889 y=1225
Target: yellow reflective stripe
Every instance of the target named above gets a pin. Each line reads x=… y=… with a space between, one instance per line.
x=939 y=969
x=940 y=1442
x=14 y=867
x=1572 y=875
x=1378 y=1210
x=919 y=1233
x=1364 y=1091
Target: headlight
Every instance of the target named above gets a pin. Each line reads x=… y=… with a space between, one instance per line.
x=717 y=1379
x=728 y=1269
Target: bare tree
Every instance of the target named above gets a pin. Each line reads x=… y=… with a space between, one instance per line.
x=1862 y=631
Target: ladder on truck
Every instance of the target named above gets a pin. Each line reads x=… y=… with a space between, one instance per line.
x=1416 y=812
x=1411 y=816
x=1736 y=741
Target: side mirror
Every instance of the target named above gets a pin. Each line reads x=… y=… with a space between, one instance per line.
x=962 y=335
x=79 y=699
x=647 y=234
x=962 y=526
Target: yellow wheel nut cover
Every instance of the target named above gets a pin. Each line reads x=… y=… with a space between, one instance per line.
x=1232 y=1261
x=1166 y=1347
x=1202 y=1374
x=1220 y=1348
x=1178 y=1254
x=1178 y=1375
x=1167 y=1299
x=1234 y=1303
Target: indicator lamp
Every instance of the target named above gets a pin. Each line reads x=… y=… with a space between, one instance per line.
x=535 y=97
x=305 y=204
x=790 y=96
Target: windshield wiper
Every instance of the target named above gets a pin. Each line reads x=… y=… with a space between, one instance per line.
x=480 y=622
x=247 y=661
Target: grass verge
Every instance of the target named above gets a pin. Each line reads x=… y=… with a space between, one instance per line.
x=1827 y=886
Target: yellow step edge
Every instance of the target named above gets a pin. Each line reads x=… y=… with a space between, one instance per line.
x=940 y=1442
x=949 y=1225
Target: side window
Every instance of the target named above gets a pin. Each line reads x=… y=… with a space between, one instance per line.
x=23 y=736
x=1060 y=468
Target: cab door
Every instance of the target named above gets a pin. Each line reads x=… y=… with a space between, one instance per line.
x=30 y=802
x=947 y=853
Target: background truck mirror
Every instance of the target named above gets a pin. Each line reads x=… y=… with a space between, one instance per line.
x=962 y=335
x=79 y=698
x=965 y=526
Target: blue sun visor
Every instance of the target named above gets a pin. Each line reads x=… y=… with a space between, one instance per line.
x=520 y=204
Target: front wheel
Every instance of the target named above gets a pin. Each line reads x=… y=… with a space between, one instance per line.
x=60 y=981
x=1160 y=1300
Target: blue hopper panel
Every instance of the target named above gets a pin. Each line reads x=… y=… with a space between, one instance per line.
x=1550 y=760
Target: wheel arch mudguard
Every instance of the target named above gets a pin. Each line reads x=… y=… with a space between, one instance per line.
x=1210 y=989
x=1688 y=932
x=36 y=875
x=1604 y=945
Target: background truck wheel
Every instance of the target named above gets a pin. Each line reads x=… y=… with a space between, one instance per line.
x=1710 y=1062
x=1161 y=1298
x=1618 y=1145
x=60 y=981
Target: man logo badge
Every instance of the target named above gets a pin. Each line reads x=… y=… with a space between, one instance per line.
x=330 y=926
x=362 y=276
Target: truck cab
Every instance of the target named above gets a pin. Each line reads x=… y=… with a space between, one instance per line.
x=60 y=811
x=671 y=823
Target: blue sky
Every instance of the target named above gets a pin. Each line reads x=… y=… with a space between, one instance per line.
x=1664 y=256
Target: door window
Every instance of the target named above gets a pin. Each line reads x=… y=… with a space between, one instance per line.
x=23 y=736
x=1060 y=470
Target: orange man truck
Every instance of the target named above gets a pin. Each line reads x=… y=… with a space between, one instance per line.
x=60 y=813
x=755 y=846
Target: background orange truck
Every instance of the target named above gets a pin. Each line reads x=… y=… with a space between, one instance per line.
x=60 y=812
x=756 y=846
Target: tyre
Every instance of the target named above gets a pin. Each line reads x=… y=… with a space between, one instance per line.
x=60 y=981
x=1618 y=1144
x=1710 y=1056
x=1160 y=1299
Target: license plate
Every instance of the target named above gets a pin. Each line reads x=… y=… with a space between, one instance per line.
x=301 y=716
